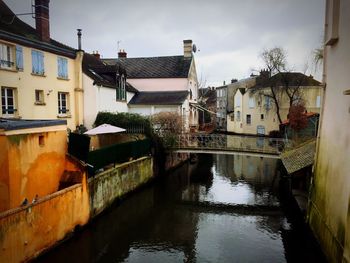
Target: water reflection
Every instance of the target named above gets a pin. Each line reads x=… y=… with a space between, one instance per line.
x=190 y=216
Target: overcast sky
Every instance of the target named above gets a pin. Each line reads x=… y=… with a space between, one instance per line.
x=229 y=34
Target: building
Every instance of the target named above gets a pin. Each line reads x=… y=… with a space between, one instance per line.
x=207 y=106
x=329 y=203
x=105 y=88
x=254 y=110
x=172 y=79
x=221 y=104
x=40 y=78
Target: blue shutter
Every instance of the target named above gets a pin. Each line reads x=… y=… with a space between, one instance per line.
x=41 y=62
x=19 y=57
x=59 y=67
x=65 y=68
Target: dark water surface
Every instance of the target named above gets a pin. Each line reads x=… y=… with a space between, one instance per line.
x=223 y=208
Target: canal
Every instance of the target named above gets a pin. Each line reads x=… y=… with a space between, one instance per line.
x=222 y=208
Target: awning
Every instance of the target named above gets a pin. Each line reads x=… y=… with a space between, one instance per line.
x=103 y=129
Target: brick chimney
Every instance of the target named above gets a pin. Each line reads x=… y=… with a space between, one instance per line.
x=188 y=48
x=265 y=73
x=96 y=54
x=122 y=54
x=42 y=19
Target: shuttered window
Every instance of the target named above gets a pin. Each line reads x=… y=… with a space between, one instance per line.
x=6 y=56
x=62 y=68
x=38 y=62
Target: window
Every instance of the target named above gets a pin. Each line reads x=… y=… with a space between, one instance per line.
x=62 y=68
x=121 y=93
x=251 y=102
x=238 y=116
x=261 y=117
x=6 y=56
x=267 y=103
x=63 y=103
x=19 y=57
x=41 y=140
x=232 y=117
x=8 y=102
x=318 y=102
x=39 y=97
x=249 y=119
x=38 y=62
x=237 y=101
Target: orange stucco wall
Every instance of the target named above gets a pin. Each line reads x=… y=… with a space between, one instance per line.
x=28 y=168
x=27 y=231
x=4 y=179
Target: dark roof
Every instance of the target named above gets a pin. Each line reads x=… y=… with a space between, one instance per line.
x=207 y=95
x=154 y=67
x=286 y=79
x=14 y=29
x=159 y=98
x=16 y=124
x=300 y=157
x=102 y=74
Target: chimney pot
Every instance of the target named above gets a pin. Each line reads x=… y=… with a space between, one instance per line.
x=42 y=19
x=122 y=54
x=96 y=54
x=79 y=38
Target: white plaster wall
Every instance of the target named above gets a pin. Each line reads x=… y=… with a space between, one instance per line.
x=159 y=84
x=99 y=98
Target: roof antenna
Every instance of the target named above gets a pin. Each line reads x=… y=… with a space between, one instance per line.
x=118 y=42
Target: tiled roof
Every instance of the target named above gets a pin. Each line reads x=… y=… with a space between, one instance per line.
x=286 y=78
x=159 y=98
x=154 y=67
x=14 y=29
x=102 y=74
x=16 y=124
x=300 y=157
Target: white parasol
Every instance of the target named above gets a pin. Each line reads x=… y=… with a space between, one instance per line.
x=103 y=129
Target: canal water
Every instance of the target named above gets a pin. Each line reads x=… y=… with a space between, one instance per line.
x=222 y=208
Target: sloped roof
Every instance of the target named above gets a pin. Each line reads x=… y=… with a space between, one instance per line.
x=300 y=157
x=18 y=124
x=159 y=98
x=154 y=67
x=102 y=74
x=14 y=29
x=286 y=79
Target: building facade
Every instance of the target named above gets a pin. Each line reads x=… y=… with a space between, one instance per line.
x=172 y=75
x=40 y=78
x=329 y=204
x=254 y=111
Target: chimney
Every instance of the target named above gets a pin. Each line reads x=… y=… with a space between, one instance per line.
x=42 y=19
x=224 y=83
x=96 y=54
x=122 y=54
x=187 y=48
x=264 y=73
x=233 y=80
x=79 y=39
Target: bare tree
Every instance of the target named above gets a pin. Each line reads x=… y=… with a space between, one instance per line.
x=278 y=81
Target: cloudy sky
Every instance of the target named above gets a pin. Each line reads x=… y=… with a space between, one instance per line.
x=229 y=34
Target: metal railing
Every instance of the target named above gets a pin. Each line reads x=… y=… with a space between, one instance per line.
x=231 y=143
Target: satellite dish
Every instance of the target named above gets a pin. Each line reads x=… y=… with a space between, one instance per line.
x=194 y=48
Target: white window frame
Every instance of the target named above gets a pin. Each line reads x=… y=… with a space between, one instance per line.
x=7 y=56
x=318 y=101
x=251 y=102
x=63 y=97
x=39 y=94
x=5 y=99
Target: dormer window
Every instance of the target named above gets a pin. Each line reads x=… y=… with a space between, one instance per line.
x=121 y=92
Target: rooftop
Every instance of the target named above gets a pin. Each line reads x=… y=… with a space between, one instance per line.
x=18 y=124
x=154 y=67
x=300 y=157
x=14 y=29
x=159 y=98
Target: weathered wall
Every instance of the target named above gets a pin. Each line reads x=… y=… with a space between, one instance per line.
x=118 y=181
x=329 y=214
x=27 y=231
x=29 y=167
